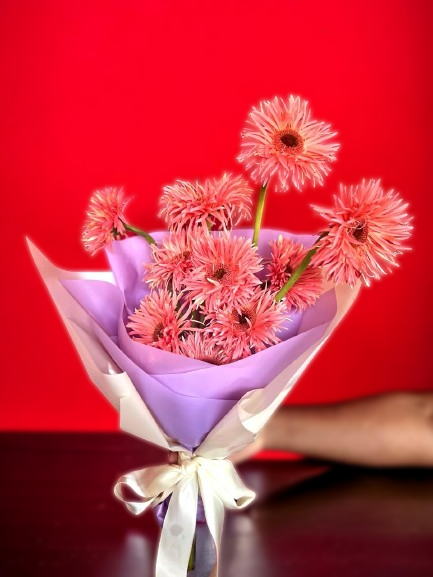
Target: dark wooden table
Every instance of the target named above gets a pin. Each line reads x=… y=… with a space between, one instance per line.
x=59 y=517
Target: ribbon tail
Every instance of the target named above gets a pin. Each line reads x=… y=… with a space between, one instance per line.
x=178 y=530
x=221 y=488
x=214 y=513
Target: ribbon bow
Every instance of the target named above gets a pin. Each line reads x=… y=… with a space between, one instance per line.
x=219 y=485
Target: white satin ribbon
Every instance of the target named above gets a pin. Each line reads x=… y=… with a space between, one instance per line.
x=219 y=486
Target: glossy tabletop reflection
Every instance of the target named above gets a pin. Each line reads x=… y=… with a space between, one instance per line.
x=59 y=516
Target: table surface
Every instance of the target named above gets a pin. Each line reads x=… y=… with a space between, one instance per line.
x=59 y=517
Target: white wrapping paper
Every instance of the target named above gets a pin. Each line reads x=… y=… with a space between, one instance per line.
x=206 y=471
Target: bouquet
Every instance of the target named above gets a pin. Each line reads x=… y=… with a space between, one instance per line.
x=198 y=332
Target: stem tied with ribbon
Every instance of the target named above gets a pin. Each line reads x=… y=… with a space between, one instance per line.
x=219 y=486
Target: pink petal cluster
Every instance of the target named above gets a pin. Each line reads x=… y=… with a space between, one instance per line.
x=286 y=256
x=282 y=142
x=223 y=270
x=160 y=321
x=216 y=204
x=198 y=345
x=248 y=327
x=105 y=219
x=206 y=293
x=172 y=261
x=365 y=234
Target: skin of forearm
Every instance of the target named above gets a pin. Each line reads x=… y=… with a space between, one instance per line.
x=384 y=430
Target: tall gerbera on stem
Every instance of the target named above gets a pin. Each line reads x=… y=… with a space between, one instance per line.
x=366 y=230
x=105 y=219
x=160 y=321
x=283 y=142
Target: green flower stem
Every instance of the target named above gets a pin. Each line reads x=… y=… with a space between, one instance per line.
x=259 y=214
x=300 y=269
x=191 y=562
x=146 y=235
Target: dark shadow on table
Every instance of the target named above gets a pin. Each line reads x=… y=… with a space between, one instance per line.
x=59 y=517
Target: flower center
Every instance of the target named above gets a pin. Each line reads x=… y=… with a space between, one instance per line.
x=245 y=319
x=360 y=231
x=288 y=270
x=219 y=273
x=289 y=142
x=158 y=332
x=222 y=273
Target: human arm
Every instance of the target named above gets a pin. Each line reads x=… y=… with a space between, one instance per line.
x=394 y=429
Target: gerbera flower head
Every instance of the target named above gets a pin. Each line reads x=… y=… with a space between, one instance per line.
x=198 y=345
x=218 y=203
x=105 y=218
x=366 y=230
x=282 y=141
x=160 y=321
x=223 y=270
x=286 y=256
x=172 y=261
x=249 y=326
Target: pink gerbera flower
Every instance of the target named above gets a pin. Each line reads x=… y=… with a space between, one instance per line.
x=198 y=345
x=105 y=219
x=365 y=234
x=281 y=139
x=287 y=255
x=159 y=321
x=172 y=261
x=223 y=270
x=248 y=327
x=216 y=204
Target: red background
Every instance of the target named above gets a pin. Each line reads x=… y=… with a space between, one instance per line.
x=140 y=93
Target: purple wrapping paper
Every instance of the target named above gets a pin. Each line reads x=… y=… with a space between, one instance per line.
x=188 y=397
